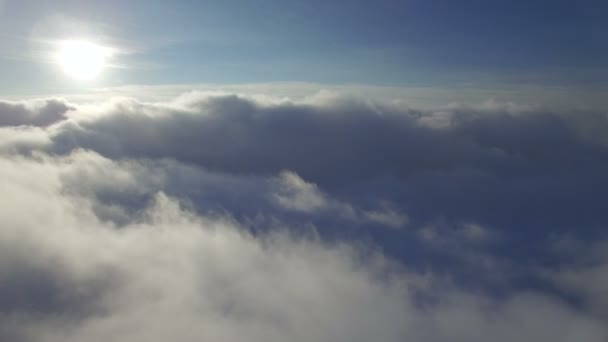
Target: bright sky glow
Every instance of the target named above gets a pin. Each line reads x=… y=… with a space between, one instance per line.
x=81 y=59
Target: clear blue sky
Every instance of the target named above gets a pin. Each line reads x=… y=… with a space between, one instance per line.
x=407 y=42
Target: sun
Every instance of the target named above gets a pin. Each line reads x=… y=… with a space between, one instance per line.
x=81 y=59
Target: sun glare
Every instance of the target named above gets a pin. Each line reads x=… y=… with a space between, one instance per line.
x=81 y=59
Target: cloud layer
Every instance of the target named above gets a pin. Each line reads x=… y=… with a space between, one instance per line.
x=218 y=216
x=32 y=113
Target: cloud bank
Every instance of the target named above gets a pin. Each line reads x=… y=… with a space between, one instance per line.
x=218 y=216
x=32 y=113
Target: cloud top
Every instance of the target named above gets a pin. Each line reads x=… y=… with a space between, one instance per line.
x=223 y=217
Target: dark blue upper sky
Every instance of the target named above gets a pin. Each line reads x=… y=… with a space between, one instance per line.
x=436 y=42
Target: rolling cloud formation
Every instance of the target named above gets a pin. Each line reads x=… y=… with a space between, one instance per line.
x=225 y=217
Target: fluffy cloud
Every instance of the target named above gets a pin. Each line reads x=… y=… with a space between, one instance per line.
x=170 y=273
x=32 y=113
x=503 y=166
x=224 y=217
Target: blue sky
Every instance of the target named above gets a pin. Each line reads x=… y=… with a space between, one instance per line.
x=437 y=42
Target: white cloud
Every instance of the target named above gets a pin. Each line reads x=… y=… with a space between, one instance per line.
x=141 y=221
x=586 y=275
x=173 y=274
x=387 y=217
x=296 y=194
x=33 y=113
